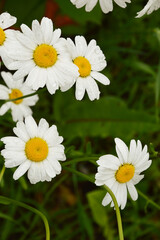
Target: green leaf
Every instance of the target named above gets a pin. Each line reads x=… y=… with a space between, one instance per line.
x=6 y=217
x=95 y=203
x=4 y=201
x=108 y=116
x=144 y=67
x=85 y=221
x=99 y=212
x=157 y=85
x=157 y=31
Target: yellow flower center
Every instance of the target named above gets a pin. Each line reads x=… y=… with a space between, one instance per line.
x=2 y=36
x=125 y=173
x=84 y=66
x=16 y=93
x=45 y=56
x=36 y=149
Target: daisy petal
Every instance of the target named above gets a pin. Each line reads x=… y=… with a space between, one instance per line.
x=137 y=178
x=109 y=161
x=80 y=88
x=49 y=169
x=21 y=132
x=36 y=28
x=43 y=126
x=7 y=77
x=81 y=45
x=132 y=150
x=6 y=20
x=122 y=150
x=21 y=170
x=106 y=6
x=144 y=166
x=4 y=108
x=92 y=88
x=50 y=134
x=100 y=77
x=55 y=36
x=132 y=190
x=9 y=163
x=124 y=196
x=106 y=200
x=47 y=29
x=90 y=5
x=31 y=126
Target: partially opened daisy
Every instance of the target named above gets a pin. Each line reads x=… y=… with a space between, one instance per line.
x=36 y=149
x=40 y=53
x=6 y=35
x=122 y=172
x=151 y=6
x=106 y=5
x=90 y=61
x=19 y=108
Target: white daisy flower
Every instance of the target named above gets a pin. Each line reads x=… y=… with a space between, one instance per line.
x=35 y=149
x=122 y=172
x=15 y=89
x=6 y=36
x=90 y=60
x=40 y=53
x=151 y=6
x=106 y=5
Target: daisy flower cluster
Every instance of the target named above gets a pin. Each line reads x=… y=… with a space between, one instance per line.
x=107 y=5
x=43 y=58
x=40 y=57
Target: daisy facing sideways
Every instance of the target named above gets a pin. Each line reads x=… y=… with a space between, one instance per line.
x=122 y=172
x=19 y=108
x=151 y=6
x=40 y=53
x=6 y=35
x=106 y=5
x=36 y=149
x=90 y=60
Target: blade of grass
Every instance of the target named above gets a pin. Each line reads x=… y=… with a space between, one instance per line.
x=157 y=91
x=34 y=210
x=48 y=194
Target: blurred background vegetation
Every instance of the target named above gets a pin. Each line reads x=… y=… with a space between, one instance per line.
x=128 y=108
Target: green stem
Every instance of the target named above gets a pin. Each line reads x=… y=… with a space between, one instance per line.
x=157 y=90
x=4 y=200
x=118 y=214
x=80 y=174
x=25 y=96
x=47 y=196
x=148 y=199
x=119 y=220
x=2 y=173
x=86 y=159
